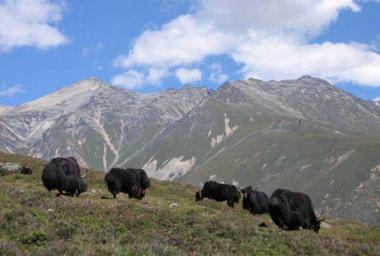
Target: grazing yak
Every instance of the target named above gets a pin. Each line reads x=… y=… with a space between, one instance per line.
x=256 y=202
x=292 y=210
x=219 y=192
x=64 y=175
x=133 y=182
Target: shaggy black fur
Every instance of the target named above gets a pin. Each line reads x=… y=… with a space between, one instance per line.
x=256 y=202
x=292 y=210
x=219 y=192
x=63 y=174
x=133 y=182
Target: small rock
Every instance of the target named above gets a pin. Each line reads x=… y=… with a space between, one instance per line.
x=12 y=168
x=173 y=205
x=93 y=191
x=50 y=210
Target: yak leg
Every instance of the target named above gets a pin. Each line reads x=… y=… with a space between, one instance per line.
x=231 y=204
x=59 y=193
x=135 y=192
x=280 y=223
x=306 y=224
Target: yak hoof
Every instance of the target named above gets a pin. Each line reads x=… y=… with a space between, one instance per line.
x=263 y=225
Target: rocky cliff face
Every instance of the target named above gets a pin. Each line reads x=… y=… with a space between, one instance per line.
x=302 y=134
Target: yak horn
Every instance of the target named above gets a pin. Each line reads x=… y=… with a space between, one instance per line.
x=321 y=216
x=85 y=173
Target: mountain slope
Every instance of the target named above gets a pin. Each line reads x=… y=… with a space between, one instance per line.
x=303 y=134
x=99 y=124
x=34 y=221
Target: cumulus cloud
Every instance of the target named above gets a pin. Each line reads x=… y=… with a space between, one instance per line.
x=155 y=75
x=281 y=58
x=131 y=79
x=186 y=75
x=216 y=74
x=11 y=91
x=270 y=39
x=30 y=23
x=291 y=16
x=178 y=42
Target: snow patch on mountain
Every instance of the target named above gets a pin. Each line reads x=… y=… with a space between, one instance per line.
x=228 y=131
x=217 y=140
x=173 y=168
x=150 y=166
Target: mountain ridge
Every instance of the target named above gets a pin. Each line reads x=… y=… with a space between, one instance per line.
x=304 y=134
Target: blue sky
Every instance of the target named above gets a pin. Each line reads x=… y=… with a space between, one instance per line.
x=151 y=45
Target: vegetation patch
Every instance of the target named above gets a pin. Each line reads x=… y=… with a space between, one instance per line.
x=34 y=221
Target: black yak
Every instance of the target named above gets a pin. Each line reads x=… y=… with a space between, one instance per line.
x=64 y=175
x=219 y=192
x=256 y=202
x=292 y=210
x=133 y=182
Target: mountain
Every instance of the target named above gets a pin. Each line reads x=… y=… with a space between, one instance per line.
x=303 y=134
x=101 y=125
x=377 y=102
x=4 y=108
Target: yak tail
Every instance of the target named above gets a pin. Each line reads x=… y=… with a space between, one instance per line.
x=145 y=182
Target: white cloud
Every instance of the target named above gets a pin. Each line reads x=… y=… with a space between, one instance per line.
x=181 y=41
x=186 y=76
x=279 y=58
x=217 y=75
x=272 y=15
x=11 y=91
x=155 y=75
x=131 y=79
x=271 y=39
x=30 y=23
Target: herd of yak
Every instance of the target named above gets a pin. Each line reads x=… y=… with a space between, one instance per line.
x=288 y=210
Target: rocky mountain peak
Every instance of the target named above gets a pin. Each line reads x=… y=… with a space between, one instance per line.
x=377 y=101
x=4 y=108
x=66 y=98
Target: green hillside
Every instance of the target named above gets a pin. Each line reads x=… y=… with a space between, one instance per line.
x=35 y=222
